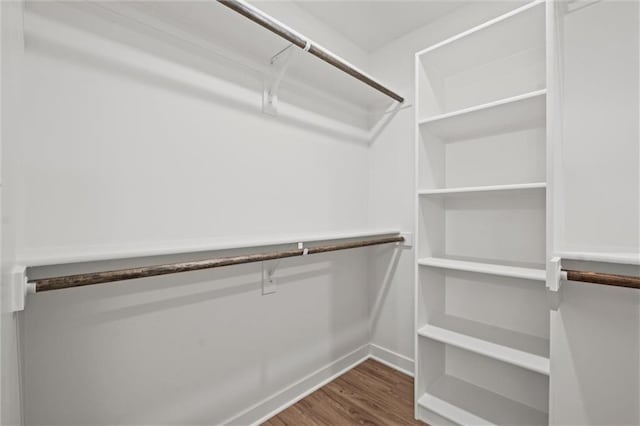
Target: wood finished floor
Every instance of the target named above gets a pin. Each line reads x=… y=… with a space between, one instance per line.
x=369 y=394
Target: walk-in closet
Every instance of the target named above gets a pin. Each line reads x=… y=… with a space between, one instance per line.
x=320 y=212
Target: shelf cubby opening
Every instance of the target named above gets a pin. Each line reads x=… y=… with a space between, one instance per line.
x=501 y=227
x=467 y=388
x=478 y=160
x=501 y=58
x=502 y=317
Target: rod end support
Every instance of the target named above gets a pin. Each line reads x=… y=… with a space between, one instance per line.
x=554 y=274
x=408 y=239
x=19 y=288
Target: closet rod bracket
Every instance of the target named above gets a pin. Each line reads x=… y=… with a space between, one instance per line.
x=19 y=288
x=555 y=274
x=269 y=281
x=408 y=239
x=278 y=65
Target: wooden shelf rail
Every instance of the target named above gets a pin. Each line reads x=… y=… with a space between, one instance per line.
x=288 y=34
x=603 y=279
x=79 y=280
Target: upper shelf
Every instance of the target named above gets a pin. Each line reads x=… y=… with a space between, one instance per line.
x=518 y=30
x=506 y=115
x=305 y=43
x=223 y=27
x=476 y=69
x=227 y=38
x=64 y=255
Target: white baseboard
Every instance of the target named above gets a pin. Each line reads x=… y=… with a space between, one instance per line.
x=391 y=359
x=272 y=405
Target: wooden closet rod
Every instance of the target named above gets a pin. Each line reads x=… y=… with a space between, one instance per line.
x=79 y=280
x=295 y=38
x=604 y=279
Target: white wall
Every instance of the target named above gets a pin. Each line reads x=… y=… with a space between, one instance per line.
x=11 y=36
x=391 y=180
x=127 y=148
x=595 y=335
x=601 y=129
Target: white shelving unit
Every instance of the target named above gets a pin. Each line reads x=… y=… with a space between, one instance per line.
x=482 y=315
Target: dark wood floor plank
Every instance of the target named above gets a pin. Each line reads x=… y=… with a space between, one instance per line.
x=390 y=399
x=357 y=414
x=367 y=402
x=369 y=394
x=387 y=374
x=384 y=378
x=274 y=421
x=320 y=406
x=403 y=392
x=296 y=416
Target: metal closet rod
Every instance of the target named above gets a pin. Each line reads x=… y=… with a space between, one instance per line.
x=601 y=278
x=295 y=38
x=79 y=280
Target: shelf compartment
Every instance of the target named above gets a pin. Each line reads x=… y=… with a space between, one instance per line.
x=486 y=228
x=501 y=58
x=520 y=112
x=522 y=350
x=479 y=189
x=536 y=274
x=464 y=403
x=487 y=40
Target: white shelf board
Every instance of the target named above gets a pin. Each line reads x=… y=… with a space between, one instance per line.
x=537 y=274
x=78 y=254
x=466 y=404
x=520 y=112
x=522 y=350
x=624 y=258
x=476 y=189
x=520 y=29
x=238 y=40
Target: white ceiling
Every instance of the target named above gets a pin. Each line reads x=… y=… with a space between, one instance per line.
x=371 y=24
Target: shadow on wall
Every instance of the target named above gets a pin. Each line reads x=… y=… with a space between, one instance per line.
x=383 y=258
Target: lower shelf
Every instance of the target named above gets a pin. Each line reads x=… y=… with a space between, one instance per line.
x=537 y=274
x=467 y=404
x=523 y=350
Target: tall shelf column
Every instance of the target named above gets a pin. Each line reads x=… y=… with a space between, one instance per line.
x=482 y=314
